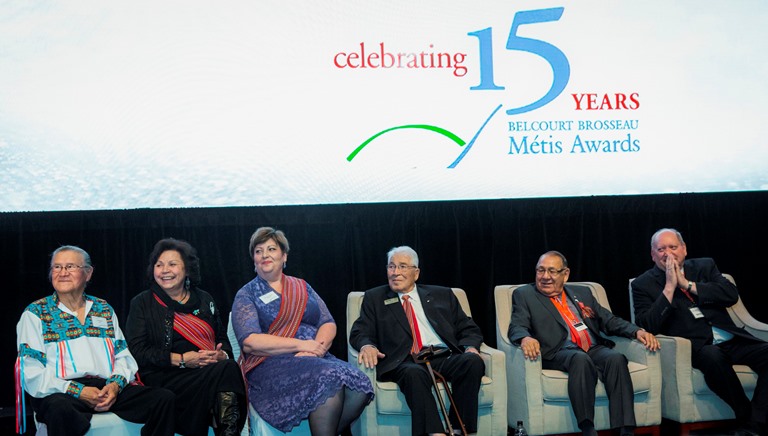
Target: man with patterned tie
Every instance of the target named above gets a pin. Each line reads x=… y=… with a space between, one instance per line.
x=401 y=318
x=563 y=325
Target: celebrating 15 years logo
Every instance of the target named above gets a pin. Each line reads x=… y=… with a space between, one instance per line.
x=556 y=59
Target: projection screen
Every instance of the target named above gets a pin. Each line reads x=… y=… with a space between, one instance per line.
x=115 y=105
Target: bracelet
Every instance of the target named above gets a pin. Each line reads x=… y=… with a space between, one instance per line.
x=690 y=286
x=181 y=361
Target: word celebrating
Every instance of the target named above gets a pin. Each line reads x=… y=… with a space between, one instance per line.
x=578 y=145
x=381 y=58
x=617 y=101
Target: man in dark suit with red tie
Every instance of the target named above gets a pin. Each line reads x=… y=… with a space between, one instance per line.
x=562 y=324
x=401 y=318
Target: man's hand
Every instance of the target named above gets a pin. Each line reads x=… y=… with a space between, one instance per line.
x=531 y=348
x=681 y=280
x=107 y=397
x=472 y=350
x=648 y=340
x=672 y=275
x=369 y=356
x=90 y=396
x=100 y=399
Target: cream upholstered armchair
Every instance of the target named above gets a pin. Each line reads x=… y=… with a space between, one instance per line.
x=255 y=425
x=686 y=398
x=539 y=397
x=389 y=414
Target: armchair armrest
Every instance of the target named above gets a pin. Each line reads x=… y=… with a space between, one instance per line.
x=494 y=362
x=525 y=400
x=677 y=389
x=675 y=357
x=743 y=318
x=636 y=351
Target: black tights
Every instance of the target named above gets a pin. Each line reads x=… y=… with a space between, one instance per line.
x=337 y=412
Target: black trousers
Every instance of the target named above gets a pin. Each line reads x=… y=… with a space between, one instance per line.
x=66 y=415
x=716 y=362
x=584 y=369
x=464 y=371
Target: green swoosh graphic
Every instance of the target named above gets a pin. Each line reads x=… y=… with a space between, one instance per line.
x=435 y=129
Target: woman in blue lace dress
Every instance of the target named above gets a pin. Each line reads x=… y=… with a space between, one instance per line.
x=285 y=330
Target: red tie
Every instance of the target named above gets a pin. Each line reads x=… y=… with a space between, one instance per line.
x=581 y=338
x=416 y=347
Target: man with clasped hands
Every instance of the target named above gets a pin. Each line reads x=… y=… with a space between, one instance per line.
x=689 y=298
x=74 y=360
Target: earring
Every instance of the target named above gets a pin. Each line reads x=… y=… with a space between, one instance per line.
x=186 y=283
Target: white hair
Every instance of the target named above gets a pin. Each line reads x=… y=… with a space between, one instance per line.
x=405 y=250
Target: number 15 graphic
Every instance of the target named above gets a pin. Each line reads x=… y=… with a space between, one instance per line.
x=561 y=69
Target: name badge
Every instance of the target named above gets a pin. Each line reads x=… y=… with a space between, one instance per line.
x=696 y=312
x=579 y=326
x=268 y=298
x=99 y=322
x=391 y=301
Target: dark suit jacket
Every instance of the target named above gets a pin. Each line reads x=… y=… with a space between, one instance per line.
x=386 y=327
x=715 y=293
x=534 y=314
x=147 y=330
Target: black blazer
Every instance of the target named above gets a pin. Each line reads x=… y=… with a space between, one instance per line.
x=149 y=330
x=382 y=323
x=534 y=314
x=715 y=293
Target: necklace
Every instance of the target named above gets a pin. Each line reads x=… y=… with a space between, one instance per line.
x=184 y=297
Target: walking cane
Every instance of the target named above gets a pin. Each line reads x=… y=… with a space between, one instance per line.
x=423 y=356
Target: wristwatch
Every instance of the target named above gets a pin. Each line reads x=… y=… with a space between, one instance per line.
x=181 y=362
x=690 y=286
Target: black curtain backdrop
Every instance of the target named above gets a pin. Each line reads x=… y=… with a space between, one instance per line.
x=474 y=245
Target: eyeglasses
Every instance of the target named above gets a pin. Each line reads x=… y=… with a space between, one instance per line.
x=403 y=267
x=551 y=271
x=70 y=267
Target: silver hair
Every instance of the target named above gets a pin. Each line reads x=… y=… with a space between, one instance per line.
x=405 y=250
x=655 y=237
x=86 y=256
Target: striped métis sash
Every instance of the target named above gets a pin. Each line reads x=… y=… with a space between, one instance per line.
x=192 y=328
x=286 y=324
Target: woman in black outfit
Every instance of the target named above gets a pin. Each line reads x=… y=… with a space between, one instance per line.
x=174 y=331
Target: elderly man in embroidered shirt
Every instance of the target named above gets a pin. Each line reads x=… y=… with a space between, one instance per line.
x=562 y=324
x=74 y=361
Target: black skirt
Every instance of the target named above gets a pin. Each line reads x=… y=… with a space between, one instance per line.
x=196 y=391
